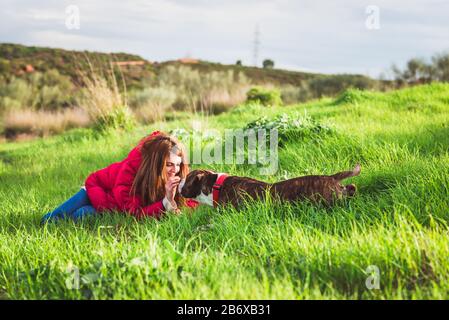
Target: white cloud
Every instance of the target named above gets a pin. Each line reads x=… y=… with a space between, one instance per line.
x=309 y=35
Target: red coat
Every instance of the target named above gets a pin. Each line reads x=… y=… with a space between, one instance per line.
x=109 y=188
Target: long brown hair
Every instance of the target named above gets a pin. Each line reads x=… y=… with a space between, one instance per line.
x=149 y=182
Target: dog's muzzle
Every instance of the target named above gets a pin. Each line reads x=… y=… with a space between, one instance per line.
x=181 y=184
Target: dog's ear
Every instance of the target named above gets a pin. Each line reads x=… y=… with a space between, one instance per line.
x=196 y=179
x=350 y=190
x=192 y=186
x=208 y=183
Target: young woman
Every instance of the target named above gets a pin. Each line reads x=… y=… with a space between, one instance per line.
x=143 y=184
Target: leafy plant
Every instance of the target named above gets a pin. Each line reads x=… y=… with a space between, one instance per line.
x=291 y=128
x=264 y=96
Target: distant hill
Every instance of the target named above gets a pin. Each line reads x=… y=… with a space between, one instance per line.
x=18 y=59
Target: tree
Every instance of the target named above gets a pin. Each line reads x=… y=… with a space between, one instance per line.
x=238 y=63
x=441 y=66
x=268 y=64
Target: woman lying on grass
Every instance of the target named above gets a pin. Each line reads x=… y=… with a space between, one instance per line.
x=143 y=184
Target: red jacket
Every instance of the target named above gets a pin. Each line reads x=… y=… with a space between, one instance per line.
x=109 y=188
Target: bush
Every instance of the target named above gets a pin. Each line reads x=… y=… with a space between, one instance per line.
x=352 y=96
x=210 y=92
x=333 y=85
x=152 y=103
x=291 y=94
x=264 y=96
x=5 y=66
x=291 y=128
x=17 y=94
x=45 y=91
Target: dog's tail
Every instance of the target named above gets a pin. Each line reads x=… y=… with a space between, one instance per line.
x=346 y=174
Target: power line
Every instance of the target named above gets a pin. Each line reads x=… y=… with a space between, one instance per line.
x=256 y=45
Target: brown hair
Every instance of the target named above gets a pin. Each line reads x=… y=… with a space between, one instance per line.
x=149 y=182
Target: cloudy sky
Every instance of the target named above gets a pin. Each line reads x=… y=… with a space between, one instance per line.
x=348 y=36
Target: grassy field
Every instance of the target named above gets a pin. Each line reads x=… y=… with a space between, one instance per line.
x=398 y=222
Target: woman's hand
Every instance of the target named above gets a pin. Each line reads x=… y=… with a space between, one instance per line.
x=170 y=189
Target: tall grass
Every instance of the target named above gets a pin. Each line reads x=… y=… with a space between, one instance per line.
x=398 y=221
x=102 y=100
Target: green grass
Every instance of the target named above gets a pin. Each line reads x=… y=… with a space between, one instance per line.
x=398 y=221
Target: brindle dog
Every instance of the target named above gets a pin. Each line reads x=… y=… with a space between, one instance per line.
x=317 y=188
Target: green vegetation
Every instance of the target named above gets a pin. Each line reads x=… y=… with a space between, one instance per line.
x=291 y=128
x=268 y=64
x=418 y=70
x=104 y=103
x=264 y=96
x=67 y=62
x=398 y=221
x=52 y=82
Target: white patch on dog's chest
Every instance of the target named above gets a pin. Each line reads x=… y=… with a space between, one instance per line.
x=205 y=199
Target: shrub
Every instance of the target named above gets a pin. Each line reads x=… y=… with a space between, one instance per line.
x=5 y=66
x=264 y=96
x=46 y=91
x=152 y=103
x=291 y=128
x=55 y=90
x=294 y=94
x=333 y=85
x=8 y=104
x=210 y=92
x=352 y=96
x=18 y=93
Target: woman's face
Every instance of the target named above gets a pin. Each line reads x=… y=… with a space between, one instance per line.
x=172 y=165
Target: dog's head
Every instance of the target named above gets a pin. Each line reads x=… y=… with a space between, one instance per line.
x=198 y=185
x=349 y=190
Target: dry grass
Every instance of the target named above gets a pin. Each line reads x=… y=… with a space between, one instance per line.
x=102 y=101
x=220 y=100
x=43 y=123
x=150 y=113
x=99 y=99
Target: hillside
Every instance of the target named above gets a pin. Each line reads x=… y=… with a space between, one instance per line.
x=397 y=224
x=14 y=58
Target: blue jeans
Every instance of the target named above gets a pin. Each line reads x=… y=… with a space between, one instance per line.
x=77 y=207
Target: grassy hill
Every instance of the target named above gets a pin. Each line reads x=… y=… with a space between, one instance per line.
x=397 y=223
x=15 y=57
